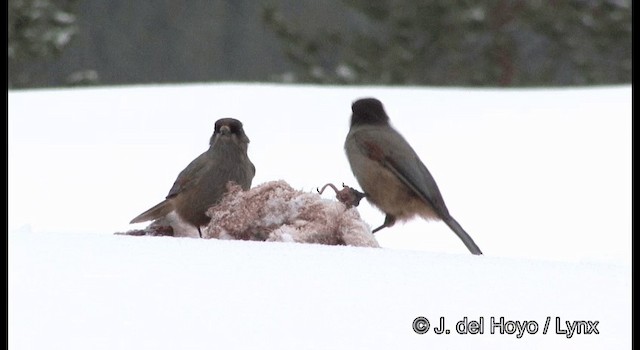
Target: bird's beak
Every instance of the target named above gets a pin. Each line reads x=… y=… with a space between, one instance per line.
x=225 y=130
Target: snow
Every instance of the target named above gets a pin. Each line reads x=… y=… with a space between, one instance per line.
x=540 y=178
x=81 y=291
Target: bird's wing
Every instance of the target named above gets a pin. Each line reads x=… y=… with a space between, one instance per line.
x=188 y=176
x=393 y=152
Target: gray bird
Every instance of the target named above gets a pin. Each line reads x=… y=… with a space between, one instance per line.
x=203 y=182
x=391 y=174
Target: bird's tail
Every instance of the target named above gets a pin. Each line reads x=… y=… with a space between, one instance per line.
x=464 y=236
x=159 y=210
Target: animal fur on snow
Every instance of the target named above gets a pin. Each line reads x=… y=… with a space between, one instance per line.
x=274 y=211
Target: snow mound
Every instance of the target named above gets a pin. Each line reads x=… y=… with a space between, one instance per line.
x=274 y=211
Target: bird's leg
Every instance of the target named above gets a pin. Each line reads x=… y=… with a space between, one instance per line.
x=389 y=220
x=199 y=231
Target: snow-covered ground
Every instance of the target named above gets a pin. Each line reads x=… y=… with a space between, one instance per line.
x=540 y=178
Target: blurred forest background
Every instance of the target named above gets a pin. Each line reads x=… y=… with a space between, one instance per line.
x=54 y=43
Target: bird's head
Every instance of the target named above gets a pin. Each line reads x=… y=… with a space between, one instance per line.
x=368 y=111
x=229 y=129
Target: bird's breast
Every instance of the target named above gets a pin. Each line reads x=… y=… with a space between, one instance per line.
x=384 y=190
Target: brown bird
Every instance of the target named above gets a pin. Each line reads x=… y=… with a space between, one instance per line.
x=204 y=181
x=390 y=172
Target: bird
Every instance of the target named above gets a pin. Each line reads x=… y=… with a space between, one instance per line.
x=204 y=181
x=391 y=174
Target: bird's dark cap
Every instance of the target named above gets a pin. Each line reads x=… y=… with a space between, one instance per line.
x=234 y=126
x=230 y=122
x=368 y=111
